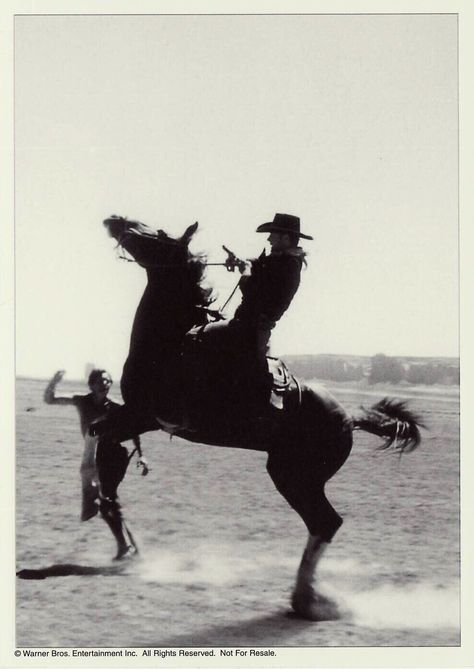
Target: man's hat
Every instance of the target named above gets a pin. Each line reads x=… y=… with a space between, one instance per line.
x=283 y=223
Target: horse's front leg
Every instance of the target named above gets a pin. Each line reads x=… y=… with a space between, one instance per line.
x=305 y=600
x=124 y=424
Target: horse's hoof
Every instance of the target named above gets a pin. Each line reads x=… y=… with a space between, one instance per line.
x=311 y=605
x=126 y=553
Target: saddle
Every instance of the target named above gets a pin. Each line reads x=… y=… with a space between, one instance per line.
x=220 y=374
x=280 y=381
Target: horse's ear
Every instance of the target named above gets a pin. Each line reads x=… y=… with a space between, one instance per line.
x=189 y=233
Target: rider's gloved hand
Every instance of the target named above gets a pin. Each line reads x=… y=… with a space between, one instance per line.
x=244 y=267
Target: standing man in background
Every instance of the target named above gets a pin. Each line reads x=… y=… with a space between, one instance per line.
x=104 y=461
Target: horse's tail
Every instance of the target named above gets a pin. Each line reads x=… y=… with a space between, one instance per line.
x=394 y=422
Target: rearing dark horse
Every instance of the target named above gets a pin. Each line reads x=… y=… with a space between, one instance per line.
x=307 y=441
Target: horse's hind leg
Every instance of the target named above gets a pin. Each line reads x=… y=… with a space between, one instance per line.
x=300 y=476
x=305 y=600
x=322 y=522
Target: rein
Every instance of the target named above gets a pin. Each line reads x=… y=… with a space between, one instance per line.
x=121 y=256
x=230 y=296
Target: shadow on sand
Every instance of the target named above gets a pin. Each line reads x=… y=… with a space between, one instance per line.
x=68 y=569
x=281 y=628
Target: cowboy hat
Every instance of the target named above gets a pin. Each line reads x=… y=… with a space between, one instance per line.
x=283 y=223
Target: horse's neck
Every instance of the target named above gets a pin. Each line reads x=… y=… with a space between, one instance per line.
x=163 y=314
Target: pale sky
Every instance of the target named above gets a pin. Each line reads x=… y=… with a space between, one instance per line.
x=349 y=122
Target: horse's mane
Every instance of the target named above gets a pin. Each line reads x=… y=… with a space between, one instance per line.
x=125 y=231
x=193 y=263
x=201 y=295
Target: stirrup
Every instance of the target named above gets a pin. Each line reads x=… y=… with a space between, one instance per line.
x=276 y=400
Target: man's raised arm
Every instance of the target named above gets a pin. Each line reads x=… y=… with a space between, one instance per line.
x=50 y=391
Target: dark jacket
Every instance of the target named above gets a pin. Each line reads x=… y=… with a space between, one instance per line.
x=270 y=288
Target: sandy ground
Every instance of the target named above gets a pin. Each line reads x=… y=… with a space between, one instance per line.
x=220 y=546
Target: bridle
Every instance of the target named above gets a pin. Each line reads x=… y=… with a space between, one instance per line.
x=120 y=250
x=171 y=242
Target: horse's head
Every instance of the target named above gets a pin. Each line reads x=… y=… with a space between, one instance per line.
x=149 y=247
x=167 y=259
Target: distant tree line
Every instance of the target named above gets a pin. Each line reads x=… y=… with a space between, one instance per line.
x=378 y=369
x=385 y=368
x=325 y=367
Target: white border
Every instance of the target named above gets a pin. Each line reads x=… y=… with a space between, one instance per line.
x=294 y=657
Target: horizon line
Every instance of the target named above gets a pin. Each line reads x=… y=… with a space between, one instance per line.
x=283 y=356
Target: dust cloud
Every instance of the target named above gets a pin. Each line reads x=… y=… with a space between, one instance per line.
x=422 y=606
x=375 y=604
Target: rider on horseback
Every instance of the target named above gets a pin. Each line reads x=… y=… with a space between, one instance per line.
x=268 y=285
x=218 y=370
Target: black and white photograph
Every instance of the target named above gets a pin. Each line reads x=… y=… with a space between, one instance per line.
x=237 y=286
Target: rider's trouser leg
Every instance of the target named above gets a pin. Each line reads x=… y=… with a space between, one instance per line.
x=258 y=379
